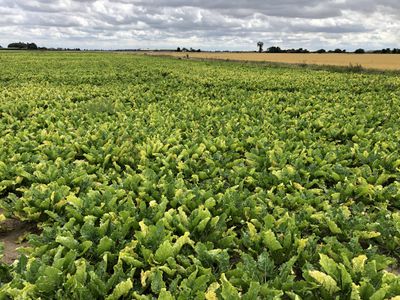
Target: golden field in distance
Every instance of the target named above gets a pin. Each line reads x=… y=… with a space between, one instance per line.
x=368 y=61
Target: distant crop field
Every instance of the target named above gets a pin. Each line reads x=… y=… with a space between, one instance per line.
x=368 y=61
x=143 y=177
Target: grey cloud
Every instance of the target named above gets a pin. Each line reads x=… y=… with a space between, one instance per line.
x=243 y=8
x=212 y=24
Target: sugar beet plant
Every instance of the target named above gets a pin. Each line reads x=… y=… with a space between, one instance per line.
x=154 y=178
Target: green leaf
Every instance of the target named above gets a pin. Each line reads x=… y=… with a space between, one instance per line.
x=253 y=291
x=380 y=294
x=80 y=273
x=368 y=234
x=345 y=277
x=328 y=265
x=229 y=292
x=49 y=280
x=67 y=241
x=252 y=231
x=105 y=244
x=202 y=225
x=122 y=289
x=333 y=227
x=74 y=201
x=163 y=252
x=200 y=283
x=271 y=241
x=383 y=178
x=165 y=295
x=1 y=249
x=181 y=241
x=85 y=246
x=157 y=282
x=293 y=296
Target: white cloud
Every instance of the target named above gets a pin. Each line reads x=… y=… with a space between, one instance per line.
x=206 y=24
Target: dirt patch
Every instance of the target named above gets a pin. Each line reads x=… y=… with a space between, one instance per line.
x=394 y=270
x=12 y=234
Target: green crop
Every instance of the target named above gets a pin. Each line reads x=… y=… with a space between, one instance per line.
x=156 y=178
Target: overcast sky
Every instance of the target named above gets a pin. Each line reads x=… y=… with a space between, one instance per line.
x=205 y=24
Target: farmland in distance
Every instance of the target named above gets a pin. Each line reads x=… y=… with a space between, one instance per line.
x=156 y=178
x=367 y=61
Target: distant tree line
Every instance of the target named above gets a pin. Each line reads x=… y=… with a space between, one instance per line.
x=337 y=50
x=388 y=51
x=179 y=49
x=60 y=49
x=33 y=46
x=275 y=49
x=21 y=46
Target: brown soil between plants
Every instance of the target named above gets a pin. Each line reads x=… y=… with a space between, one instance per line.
x=11 y=232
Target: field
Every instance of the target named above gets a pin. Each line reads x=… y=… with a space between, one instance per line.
x=367 y=61
x=146 y=177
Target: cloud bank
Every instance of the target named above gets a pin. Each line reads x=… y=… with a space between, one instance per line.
x=206 y=24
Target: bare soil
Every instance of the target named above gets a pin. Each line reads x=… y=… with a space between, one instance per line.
x=11 y=231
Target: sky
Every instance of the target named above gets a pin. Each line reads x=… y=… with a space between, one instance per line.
x=205 y=24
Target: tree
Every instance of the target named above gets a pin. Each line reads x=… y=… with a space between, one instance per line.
x=359 y=51
x=260 y=46
x=274 y=49
x=321 y=51
x=32 y=46
x=178 y=49
x=19 y=45
x=23 y=46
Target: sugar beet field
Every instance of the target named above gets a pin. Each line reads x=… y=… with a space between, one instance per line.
x=155 y=178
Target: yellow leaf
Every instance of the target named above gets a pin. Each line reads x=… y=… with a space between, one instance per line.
x=211 y=294
x=358 y=263
x=369 y=234
x=143 y=277
x=325 y=280
x=333 y=227
x=298 y=186
x=252 y=231
x=74 y=201
x=346 y=212
x=355 y=292
x=302 y=244
x=144 y=228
